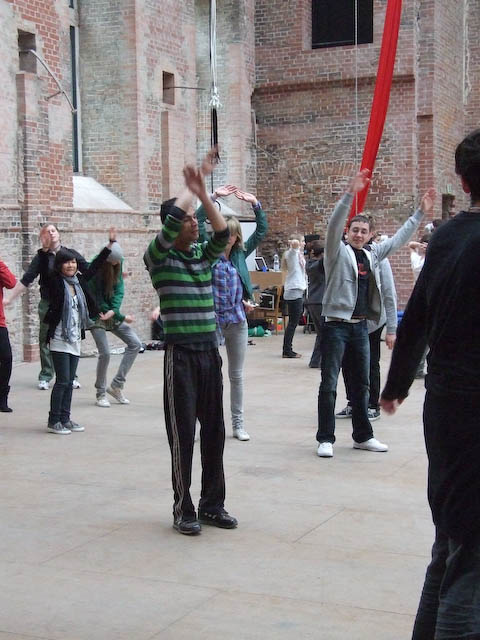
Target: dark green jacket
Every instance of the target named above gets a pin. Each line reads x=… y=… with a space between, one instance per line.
x=104 y=302
x=238 y=256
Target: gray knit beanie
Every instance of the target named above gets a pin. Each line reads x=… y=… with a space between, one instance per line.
x=116 y=254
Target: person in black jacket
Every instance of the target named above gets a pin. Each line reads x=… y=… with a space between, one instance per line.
x=316 y=288
x=67 y=318
x=444 y=312
x=50 y=241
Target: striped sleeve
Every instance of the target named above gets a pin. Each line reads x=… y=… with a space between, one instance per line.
x=160 y=246
x=216 y=245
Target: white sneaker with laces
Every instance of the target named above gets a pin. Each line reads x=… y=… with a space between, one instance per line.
x=43 y=385
x=371 y=445
x=102 y=401
x=241 y=434
x=325 y=450
x=76 y=384
x=117 y=393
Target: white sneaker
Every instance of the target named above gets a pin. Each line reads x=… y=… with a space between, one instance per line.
x=371 y=445
x=43 y=385
x=325 y=450
x=117 y=393
x=76 y=384
x=241 y=434
x=102 y=401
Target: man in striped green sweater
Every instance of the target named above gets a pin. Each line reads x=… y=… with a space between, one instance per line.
x=180 y=270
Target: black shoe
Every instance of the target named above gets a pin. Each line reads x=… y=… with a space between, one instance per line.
x=5 y=409
x=220 y=519
x=187 y=527
x=292 y=354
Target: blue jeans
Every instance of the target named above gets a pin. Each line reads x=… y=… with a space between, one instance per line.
x=450 y=604
x=336 y=337
x=65 y=365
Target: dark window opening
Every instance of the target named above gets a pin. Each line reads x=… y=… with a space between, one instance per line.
x=333 y=23
x=168 y=88
x=71 y=4
x=73 y=62
x=26 y=43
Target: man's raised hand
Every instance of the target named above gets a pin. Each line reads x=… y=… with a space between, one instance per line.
x=194 y=180
x=209 y=162
x=428 y=199
x=360 y=181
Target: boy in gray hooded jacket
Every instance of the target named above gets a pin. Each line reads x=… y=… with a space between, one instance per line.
x=353 y=296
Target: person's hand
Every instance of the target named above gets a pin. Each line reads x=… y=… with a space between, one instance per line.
x=414 y=245
x=45 y=239
x=390 y=340
x=249 y=306
x=359 y=182
x=225 y=191
x=107 y=315
x=6 y=302
x=295 y=244
x=209 y=162
x=194 y=180
x=428 y=199
x=112 y=235
x=129 y=319
x=248 y=197
x=155 y=314
x=390 y=406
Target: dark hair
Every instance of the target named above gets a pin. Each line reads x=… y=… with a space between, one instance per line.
x=467 y=163
x=437 y=223
x=110 y=275
x=359 y=218
x=317 y=248
x=63 y=255
x=165 y=208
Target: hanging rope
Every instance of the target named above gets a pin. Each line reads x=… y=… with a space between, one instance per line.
x=356 y=95
x=381 y=96
x=214 y=103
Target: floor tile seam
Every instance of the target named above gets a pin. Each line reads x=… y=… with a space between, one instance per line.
x=24 y=635
x=82 y=544
x=334 y=515
x=407 y=462
x=344 y=548
x=202 y=604
x=316 y=603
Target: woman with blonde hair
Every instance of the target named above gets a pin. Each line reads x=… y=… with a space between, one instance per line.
x=232 y=293
x=293 y=262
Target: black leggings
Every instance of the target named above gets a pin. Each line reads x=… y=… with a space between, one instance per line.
x=5 y=360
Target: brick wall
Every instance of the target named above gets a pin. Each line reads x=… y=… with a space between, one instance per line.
x=288 y=126
x=309 y=141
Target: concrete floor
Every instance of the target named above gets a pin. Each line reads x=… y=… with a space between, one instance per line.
x=326 y=548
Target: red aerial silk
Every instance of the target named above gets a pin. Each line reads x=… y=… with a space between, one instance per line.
x=380 y=97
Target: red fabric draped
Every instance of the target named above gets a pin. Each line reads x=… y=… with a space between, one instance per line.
x=381 y=96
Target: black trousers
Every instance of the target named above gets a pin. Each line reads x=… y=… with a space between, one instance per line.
x=193 y=388
x=5 y=361
x=374 y=339
x=315 y=311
